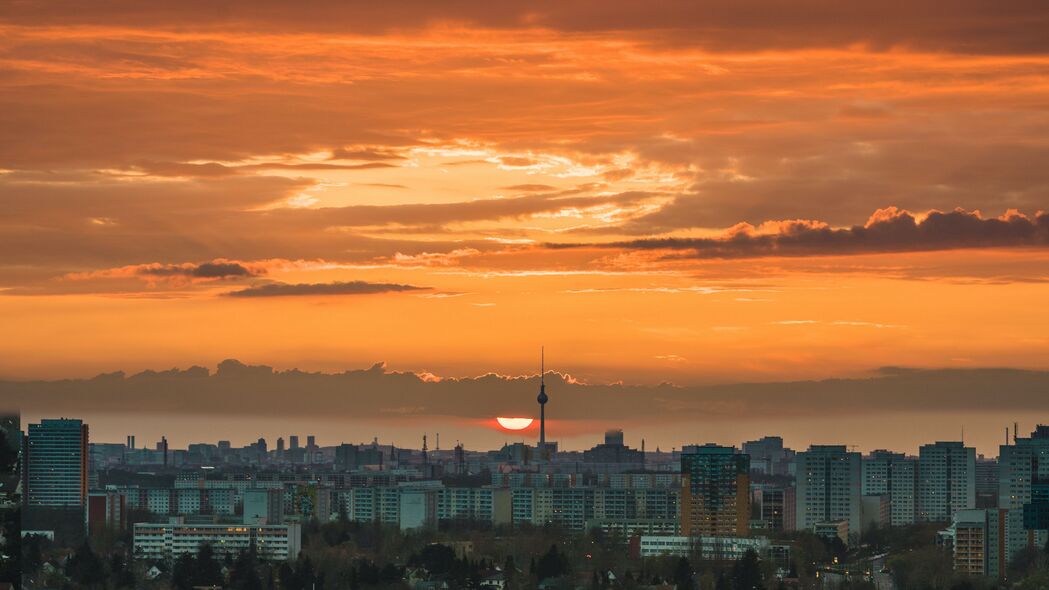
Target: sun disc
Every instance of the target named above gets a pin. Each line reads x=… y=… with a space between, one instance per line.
x=514 y=423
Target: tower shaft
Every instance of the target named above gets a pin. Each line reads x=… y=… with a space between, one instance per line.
x=542 y=426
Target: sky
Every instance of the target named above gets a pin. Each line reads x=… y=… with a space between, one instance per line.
x=707 y=193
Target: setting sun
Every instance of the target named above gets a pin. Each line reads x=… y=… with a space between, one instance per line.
x=514 y=423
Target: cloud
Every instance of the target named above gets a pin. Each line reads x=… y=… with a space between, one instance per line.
x=529 y=187
x=322 y=289
x=365 y=153
x=206 y=270
x=887 y=230
x=215 y=269
x=972 y=26
x=369 y=393
x=211 y=270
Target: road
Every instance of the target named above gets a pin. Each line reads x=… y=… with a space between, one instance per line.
x=882 y=581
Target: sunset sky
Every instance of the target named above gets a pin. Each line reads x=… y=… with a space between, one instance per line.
x=708 y=193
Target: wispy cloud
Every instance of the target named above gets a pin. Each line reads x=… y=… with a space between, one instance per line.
x=321 y=289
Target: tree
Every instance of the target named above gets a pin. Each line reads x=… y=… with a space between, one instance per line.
x=553 y=564
x=207 y=570
x=244 y=575
x=436 y=558
x=929 y=567
x=86 y=568
x=304 y=576
x=183 y=571
x=122 y=575
x=32 y=556
x=746 y=573
x=285 y=575
x=1025 y=562
x=683 y=575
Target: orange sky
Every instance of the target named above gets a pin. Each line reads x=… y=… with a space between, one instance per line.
x=712 y=192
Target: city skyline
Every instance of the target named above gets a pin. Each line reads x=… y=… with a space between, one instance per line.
x=242 y=401
x=541 y=295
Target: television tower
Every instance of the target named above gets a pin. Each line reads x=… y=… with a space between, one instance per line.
x=542 y=399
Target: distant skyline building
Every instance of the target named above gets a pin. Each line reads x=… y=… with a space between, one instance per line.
x=613 y=453
x=293 y=442
x=715 y=492
x=986 y=482
x=57 y=463
x=946 y=480
x=769 y=456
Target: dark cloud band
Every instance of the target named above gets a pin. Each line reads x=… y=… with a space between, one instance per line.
x=888 y=230
x=336 y=288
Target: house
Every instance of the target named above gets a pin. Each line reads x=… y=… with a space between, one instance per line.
x=493 y=581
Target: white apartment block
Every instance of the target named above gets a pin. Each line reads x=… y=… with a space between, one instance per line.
x=946 y=480
x=828 y=487
x=894 y=475
x=167 y=541
x=713 y=548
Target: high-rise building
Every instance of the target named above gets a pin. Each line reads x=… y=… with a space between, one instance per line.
x=828 y=488
x=985 y=541
x=293 y=442
x=986 y=482
x=263 y=506
x=1022 y=467
x=970 y=542
x=769 y=504
x=1023 y=483
x=106 y=510
x=56 y=463
x=418 y=508
x=946 y=480
x=895 y=475
x=715 y=492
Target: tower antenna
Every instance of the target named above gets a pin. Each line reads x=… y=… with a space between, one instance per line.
x=542 y=399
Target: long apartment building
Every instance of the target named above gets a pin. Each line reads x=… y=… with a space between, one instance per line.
x=168 y=541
